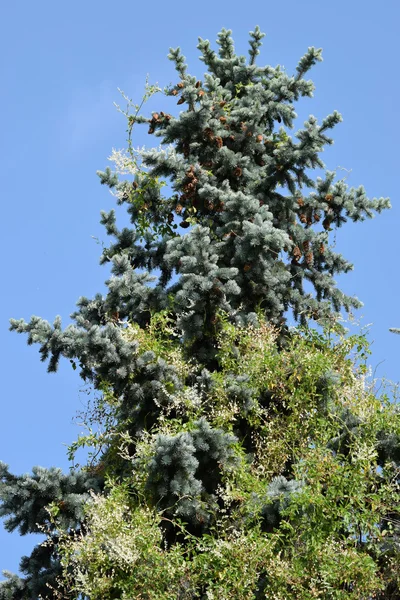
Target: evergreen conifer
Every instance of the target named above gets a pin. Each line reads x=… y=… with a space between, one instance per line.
x=221 y=419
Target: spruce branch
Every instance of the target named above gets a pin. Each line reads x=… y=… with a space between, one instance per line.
x=255 y=43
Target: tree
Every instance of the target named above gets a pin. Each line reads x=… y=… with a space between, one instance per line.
x=227 y=439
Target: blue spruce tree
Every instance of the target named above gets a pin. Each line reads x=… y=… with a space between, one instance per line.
x=238 y=240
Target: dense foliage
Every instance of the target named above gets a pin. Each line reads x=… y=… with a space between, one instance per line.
x=231 y=456
x=275 y=477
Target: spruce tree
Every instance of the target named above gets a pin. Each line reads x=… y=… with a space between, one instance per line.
x=214 y=260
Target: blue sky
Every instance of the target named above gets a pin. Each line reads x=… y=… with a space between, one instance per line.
x=61 y=65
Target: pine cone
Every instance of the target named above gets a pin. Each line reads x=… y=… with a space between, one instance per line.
x=238 y=172
x=178 y=209
x=198 y=84
x=306 y=245
x=259 y=138
x=303 y=218
x=219 y=142
x=181 y=100
x=222 y=119
x=165 y=116
x=309 y=258
x=180 y=85
x=300 y=201
x=329 y=197
x=326 y=223
x=296 y=253
x=190 y=188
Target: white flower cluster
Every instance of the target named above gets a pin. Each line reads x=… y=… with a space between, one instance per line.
x=124 y=164
x=116 y=541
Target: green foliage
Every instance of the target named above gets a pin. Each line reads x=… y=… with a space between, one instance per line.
x=230 y=457
x=290 y=516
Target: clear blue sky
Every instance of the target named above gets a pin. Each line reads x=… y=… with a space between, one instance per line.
x=61 y=64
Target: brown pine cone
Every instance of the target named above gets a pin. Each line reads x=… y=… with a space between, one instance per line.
x=326 y=223
x=296 y=253
x=309 y=258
